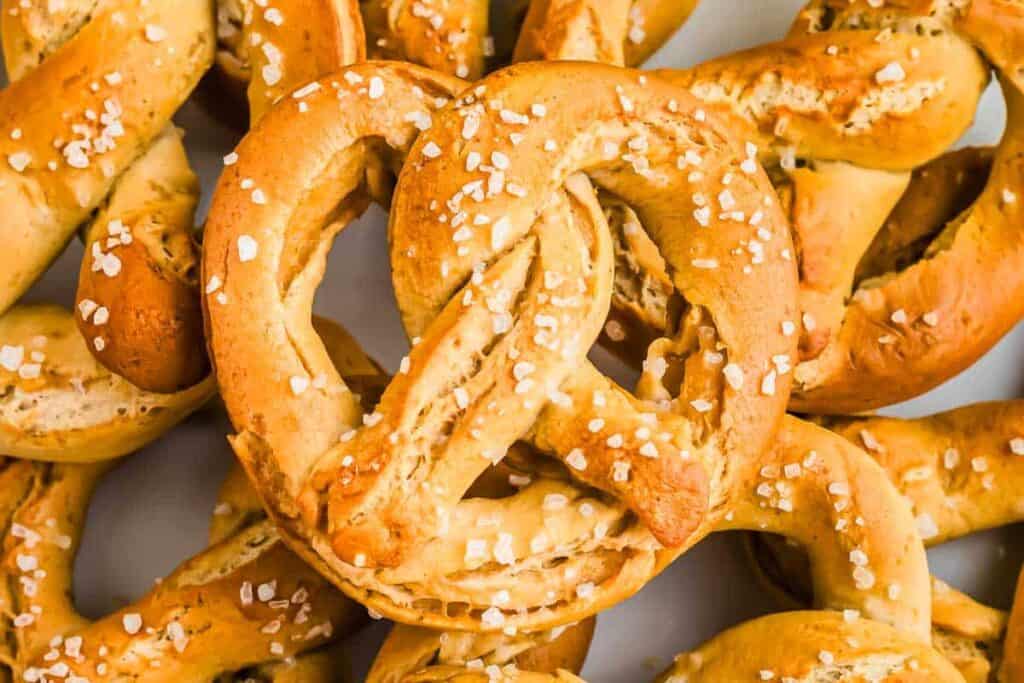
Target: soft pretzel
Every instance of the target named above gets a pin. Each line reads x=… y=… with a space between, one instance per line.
x=960 y=473
x=87 y=144
x=842 y=116
x=492 y=575
x=267 y=48
x=417 y=654
x=812 y=647
x=57 y=402
x=176 y=632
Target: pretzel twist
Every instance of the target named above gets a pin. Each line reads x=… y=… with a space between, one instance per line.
x=960 y=472
x=843 y=110
x=211 y=615
x=603 y=553
x=86 y=132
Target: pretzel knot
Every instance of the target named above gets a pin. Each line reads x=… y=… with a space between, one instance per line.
x=851 y=113
x=508 y=293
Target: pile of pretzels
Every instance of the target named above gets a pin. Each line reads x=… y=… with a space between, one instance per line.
x=779 y=241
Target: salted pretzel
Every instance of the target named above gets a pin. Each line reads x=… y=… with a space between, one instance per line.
x=418 y=654
x=58 y=403
x=557 y=550
x=214 y=613
x=962 y=472
x=851 y=113
x=268 y=47
x=88 y=146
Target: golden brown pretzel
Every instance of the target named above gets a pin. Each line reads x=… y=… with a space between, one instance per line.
x=812 y=647
x=418 y=654
x=268 y=48
x=87 y=143
x=492 y=576
x=843 y=116
x=960 y=472
x=398 y=113
x=176 y=632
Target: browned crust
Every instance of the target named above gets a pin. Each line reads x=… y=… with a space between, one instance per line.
x=69 y=408
x=152 y=326
x=1013 y=653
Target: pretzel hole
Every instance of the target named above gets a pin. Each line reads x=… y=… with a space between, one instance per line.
x=925 y=220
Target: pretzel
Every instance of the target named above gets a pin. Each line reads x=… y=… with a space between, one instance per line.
x=841 y=117
x=960 y=473
x=266 y=49
x=417 y=654
x=58 y=403
x=812 y=647
x=87 y=144
x=179 y=629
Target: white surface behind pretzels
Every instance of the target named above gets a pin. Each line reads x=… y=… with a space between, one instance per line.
x=153 y=511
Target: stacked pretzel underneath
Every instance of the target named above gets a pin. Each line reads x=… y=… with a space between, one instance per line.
x=779 y=242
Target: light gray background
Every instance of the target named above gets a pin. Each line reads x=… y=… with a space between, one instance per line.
x=152 y=511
